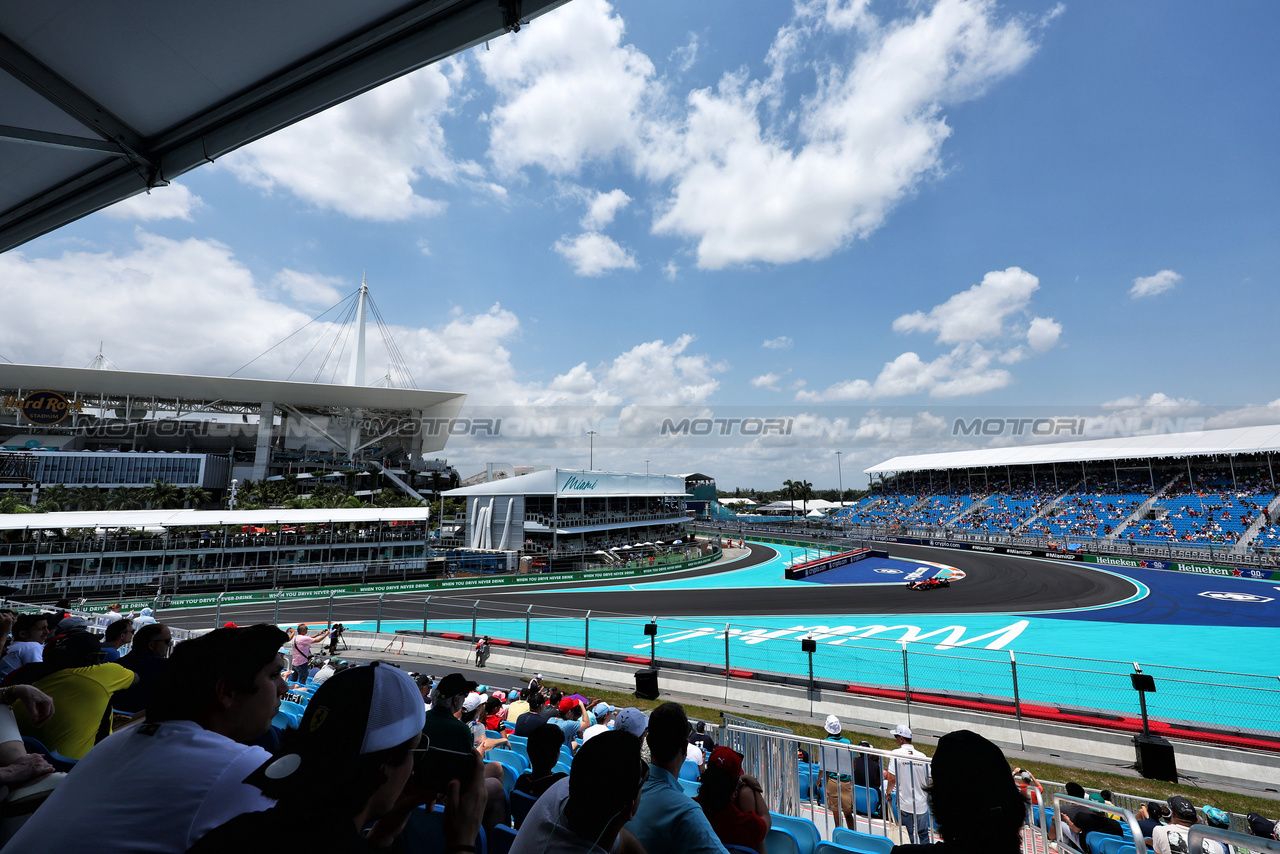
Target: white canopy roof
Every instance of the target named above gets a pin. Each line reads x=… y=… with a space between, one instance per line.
x=573 y=483
x=207 y=518
x=1235 y=440
x=140 y=385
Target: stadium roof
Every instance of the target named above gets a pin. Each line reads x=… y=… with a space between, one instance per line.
x=103 y=99
x=573 y=483
x=206 y=518
x=1204 y=443
x=91 y=382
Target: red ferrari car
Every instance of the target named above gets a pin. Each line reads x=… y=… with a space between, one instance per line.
x=928 y=584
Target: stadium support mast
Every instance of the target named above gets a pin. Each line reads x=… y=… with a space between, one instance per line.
x=356 y=375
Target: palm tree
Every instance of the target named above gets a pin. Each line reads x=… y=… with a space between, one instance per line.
x=14 y=504
x=194 y=496
x=160 y=494
x=54 y=498
x=89 y=498
x=805 y=489
x=789 y=488
x=124 y=498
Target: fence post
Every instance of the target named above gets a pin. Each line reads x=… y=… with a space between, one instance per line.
x=426 y=614
x=276 y=619
x=475 y=614
x=528 y=620
x=726 y=650
x=1017 y=702
x=217 y=614
x=330 y=612
x=586 y=635
x=906 y=682
x=381 y=596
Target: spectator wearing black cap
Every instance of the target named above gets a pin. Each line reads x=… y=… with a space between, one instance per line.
x=669 y=820
x=586 y=813
x=1150 y=816
x=172 y=779
x=73 y=675
x=362 y=727
x=443 y=729
x=1172 y=838
x=976 y=804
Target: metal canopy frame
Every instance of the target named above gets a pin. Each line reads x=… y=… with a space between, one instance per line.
x=126 y=162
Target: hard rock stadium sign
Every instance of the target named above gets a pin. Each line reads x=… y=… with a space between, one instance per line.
x=43 y=408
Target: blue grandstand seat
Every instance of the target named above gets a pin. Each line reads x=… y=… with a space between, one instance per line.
x=516 y=739
x=494 y=734
x=562 y=767
x=780 y=841
x=521 y=803
x=566 y=754
x=1093 y=841
x=740 y=849
x=1113 y=844
x=502 y=839
x=805 y=831
x=53 y=757
x=509 y=777
x=866 y=843
x=511 y=757
x=690 y=787
x=424 y=831
x=866 y=800
x=834 y=848
x=689 y=770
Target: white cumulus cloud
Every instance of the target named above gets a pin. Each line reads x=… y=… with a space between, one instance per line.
x=985 y=327
x=869 y=133
x=175 y=201
x=568 y=90
x=594 y=254
x=603 y=208
x=769 y=381
x=782 y=342
x=363 y=157
x=1149 y=286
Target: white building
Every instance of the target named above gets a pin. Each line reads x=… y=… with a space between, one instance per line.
x=564 y=511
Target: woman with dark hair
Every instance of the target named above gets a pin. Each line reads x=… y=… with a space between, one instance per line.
x=975 y=803
x=80 y=685
x=361 y=728
x=733 y=802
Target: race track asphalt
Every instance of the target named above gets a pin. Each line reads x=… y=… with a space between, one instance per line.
x=993 y=584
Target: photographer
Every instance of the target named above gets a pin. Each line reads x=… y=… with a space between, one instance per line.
x=335 y=635
x=363 y=727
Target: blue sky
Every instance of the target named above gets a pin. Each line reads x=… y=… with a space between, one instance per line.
x=751 y=205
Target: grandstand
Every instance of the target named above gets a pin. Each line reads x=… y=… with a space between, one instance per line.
x=1208 y=491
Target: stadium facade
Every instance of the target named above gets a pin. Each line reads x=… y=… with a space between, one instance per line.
x=82 y=426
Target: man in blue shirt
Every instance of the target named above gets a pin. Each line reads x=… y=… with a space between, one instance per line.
x=669 y=820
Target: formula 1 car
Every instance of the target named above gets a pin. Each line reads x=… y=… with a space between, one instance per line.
x=929 y=583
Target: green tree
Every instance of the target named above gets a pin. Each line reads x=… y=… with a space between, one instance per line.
x=89 y=498
x=194 y=496
x=160 y=495
x=124 y=498
x=54 y=498
x=14 y=504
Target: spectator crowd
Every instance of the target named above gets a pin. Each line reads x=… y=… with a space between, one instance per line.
x=205 y=746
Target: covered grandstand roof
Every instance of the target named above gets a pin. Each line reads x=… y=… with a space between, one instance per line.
x=90 y=382
x=103 y=99
x=206 y=518
x=574 y=483
x=1203 y=443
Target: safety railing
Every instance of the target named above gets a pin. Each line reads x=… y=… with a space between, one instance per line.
x=1067 y=838
x=884 y=660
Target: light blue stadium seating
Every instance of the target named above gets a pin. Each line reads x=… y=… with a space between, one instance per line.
x=866 y=843
x=805 y=831
x=780 y=841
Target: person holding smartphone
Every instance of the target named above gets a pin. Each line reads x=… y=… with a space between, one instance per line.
x=364 y=727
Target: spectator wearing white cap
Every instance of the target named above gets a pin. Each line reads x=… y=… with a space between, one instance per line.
x=361 y=727
x=839 y=786
x=908 y=777
x=605 y=715
x=146 y=616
